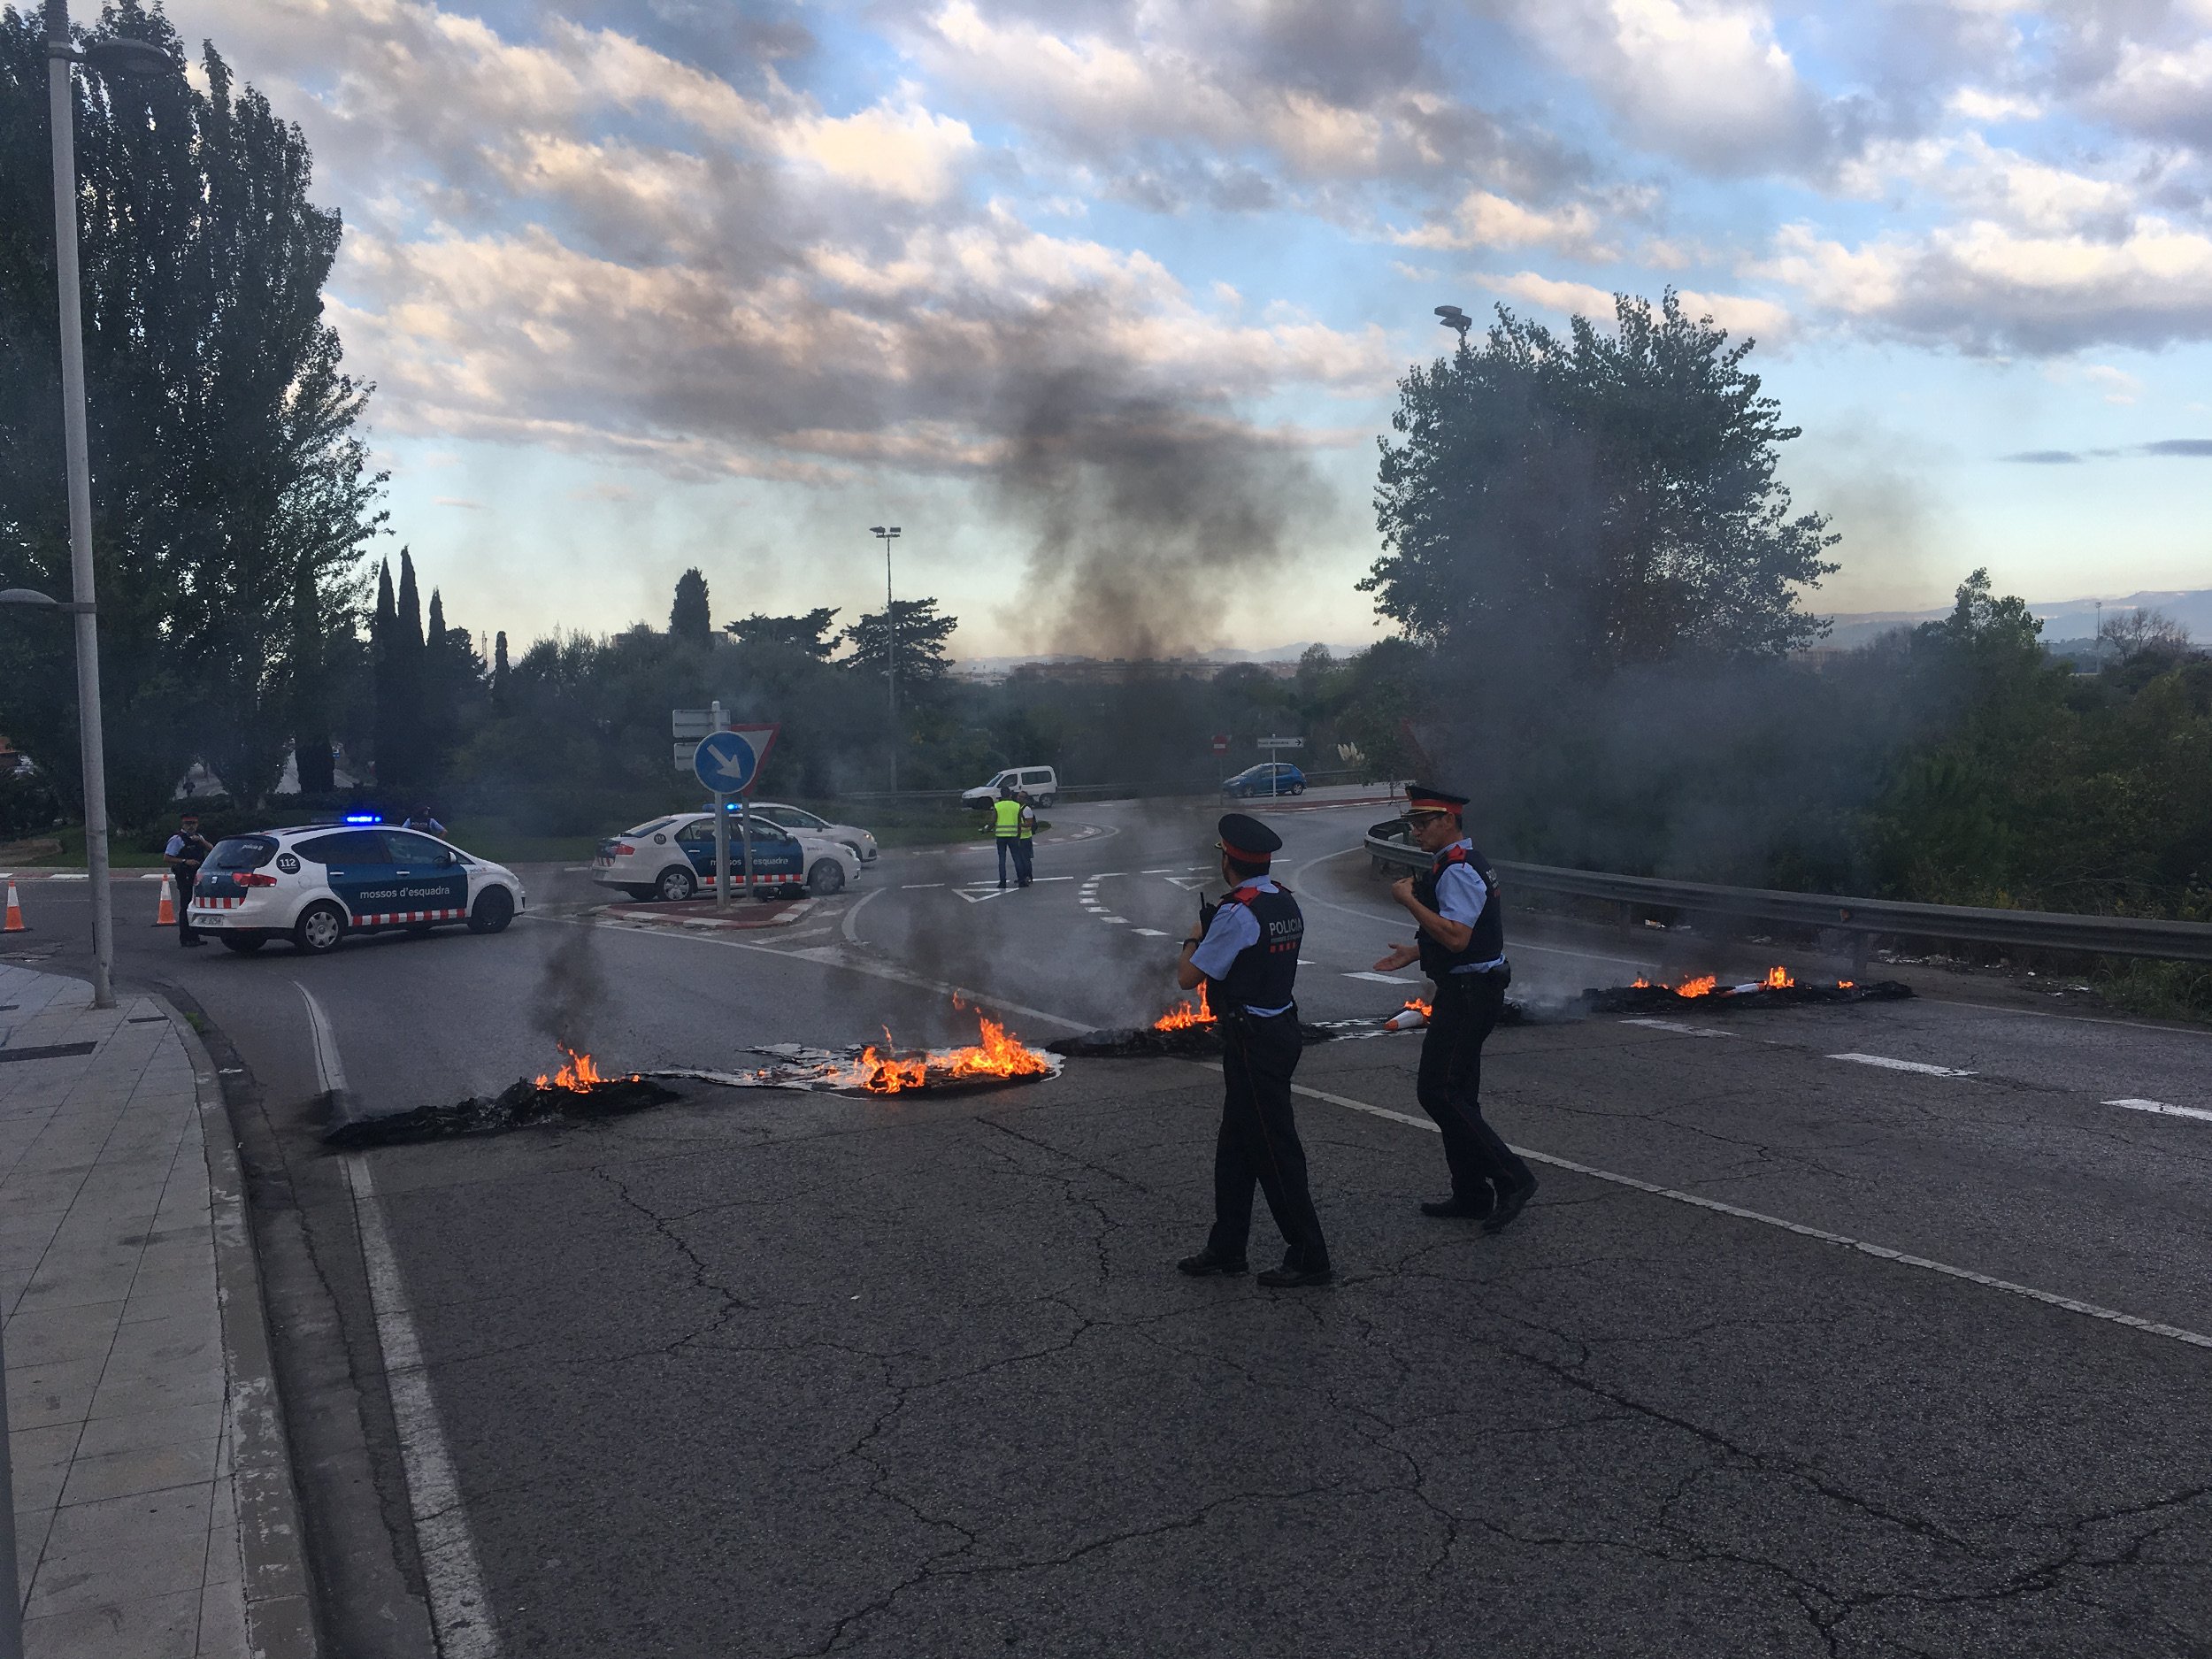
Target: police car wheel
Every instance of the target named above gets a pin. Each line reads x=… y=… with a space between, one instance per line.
x=676 y=886
x=319 y=929
x=494 y=909
x=825 y=877
x=244 y=944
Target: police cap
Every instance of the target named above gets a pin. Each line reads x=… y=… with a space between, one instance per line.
x=1427 y=797
x=1247 y=840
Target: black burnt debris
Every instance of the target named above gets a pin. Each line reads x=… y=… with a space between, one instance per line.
x=1705 y=996
x=525 y=1104
x=1202 y=1041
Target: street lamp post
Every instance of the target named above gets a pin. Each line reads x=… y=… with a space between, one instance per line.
x=891 y=621
x=124 y=58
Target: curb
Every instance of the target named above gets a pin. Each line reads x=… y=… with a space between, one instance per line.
x=280 y=1612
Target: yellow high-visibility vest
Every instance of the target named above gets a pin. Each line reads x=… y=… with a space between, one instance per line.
x=1006 y=819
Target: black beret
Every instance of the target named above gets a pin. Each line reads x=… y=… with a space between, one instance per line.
x=1246 y=840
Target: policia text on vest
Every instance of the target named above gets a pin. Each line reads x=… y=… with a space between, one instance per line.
x=1245 y=952
x=1461 y=946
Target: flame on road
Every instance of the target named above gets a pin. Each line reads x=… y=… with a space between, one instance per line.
x=996 y=1054
x=1416 y=1005
x=1778 y=979
x=1183 y=1016
x=578 y=1072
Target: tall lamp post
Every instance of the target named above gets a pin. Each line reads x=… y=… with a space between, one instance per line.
x=113 y=58
x=891 y=659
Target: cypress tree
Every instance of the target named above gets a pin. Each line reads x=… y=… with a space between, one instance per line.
x=499 y=673
x=407 y=656
x=689 y=617
x=388 y=733
x=311 y=687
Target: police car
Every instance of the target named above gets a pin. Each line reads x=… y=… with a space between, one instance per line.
x=317 y=884
x=672 y=858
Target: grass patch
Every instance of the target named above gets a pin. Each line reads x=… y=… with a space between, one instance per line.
x=63 y=850
x=2161 y=990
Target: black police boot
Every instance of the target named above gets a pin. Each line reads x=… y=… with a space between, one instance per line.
x=1511 y=1203
x=1289 y=1277
x=1206 y=1264
x=1462 y=1209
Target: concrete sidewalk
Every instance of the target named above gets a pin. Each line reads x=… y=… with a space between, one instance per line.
x=155 y=1514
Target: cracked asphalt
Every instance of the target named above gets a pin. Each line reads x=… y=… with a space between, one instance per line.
x=770 y=1374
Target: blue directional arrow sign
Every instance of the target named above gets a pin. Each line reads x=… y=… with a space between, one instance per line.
x=727 y=762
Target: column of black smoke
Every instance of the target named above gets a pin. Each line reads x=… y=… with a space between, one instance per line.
x=570 y=991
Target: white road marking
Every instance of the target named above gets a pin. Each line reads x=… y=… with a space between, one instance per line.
x=1150 y=933
x=1887 y=1064
x=458 y=1606
x=1156 y=872
x=330 y=1071
x=1189 y=884
x=1124 y=920
x=1052 y=878
x=916 y=887
x=1881 y=1252
x=457 y=1602
x=1382 y=978
x=976 y=896
x=2162 y=1109
x=1676 y=1024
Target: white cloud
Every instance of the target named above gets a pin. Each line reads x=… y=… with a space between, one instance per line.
x=1705 y=81
x=1976 y=105
x=1739 y=314
x=1990 y=288
x=1484 y=219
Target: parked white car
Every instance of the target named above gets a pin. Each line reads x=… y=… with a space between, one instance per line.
x=672 y=858
x=1040 y=784
x=799 y=821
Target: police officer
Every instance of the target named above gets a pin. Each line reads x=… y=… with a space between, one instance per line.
x=1461 y=946
x=1025 y=843
x=1245 y=950
x=1006 y=828
x=186 y=850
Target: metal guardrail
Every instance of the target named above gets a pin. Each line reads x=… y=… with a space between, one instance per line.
x=2027 y=930
x=1100 y=791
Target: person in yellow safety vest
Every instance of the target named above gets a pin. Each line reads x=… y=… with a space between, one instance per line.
x=1006 y=828
x=1025 y=843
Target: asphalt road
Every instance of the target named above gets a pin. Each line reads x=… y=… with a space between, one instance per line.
x=769 y=1374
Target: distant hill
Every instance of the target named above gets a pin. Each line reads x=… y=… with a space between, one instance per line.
x=2063 y=619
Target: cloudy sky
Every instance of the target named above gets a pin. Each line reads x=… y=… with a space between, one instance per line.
x=1103 y=301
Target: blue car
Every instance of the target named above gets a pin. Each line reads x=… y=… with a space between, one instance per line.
x=1268 y=778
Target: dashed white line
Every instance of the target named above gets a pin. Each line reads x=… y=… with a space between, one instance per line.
x=1887 y=1064
x=1151 y=933
x=916 y=887
x=1124 y=920
x=2162 y=1109
x=1677 y=1025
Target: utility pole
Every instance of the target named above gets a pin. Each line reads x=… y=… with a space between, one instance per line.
x=91 y=745
x=891 y=622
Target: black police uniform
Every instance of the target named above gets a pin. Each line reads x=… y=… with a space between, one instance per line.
x=1485 y=1170
x=184 y=874
x=1258 y=1139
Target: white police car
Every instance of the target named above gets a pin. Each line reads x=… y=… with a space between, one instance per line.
x=317 y=884
x=672 y=858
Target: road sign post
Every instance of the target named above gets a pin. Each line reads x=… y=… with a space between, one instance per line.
x=1221 y=742
x=727 y=760
x=1282 y=742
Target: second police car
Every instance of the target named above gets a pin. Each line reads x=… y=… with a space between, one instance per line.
x=316 y=884
x=672 y=858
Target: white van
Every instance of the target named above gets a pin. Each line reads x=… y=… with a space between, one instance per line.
x=1040 y=784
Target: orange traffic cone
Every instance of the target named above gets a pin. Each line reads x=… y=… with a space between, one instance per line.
x=166 y=917
x=15 y=914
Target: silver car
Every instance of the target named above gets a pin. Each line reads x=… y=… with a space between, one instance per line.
x=806 y=823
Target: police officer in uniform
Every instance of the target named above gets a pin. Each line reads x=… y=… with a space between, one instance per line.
x=186 y=851
x=1245 y=951
x=1025 y=843
x=1461 y=946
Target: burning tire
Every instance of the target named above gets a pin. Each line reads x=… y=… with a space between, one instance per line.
x=319 y=930
x=828 y=876
x=244 y=944
x=494 y=909
x=676 y=885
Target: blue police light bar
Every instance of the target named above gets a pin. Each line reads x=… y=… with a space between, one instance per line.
x=365 y=818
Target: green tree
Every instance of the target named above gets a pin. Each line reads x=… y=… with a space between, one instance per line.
x=813 y=633
x=1597 y=501
x=226 y=477
x=910 y=636
x=689 y=617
